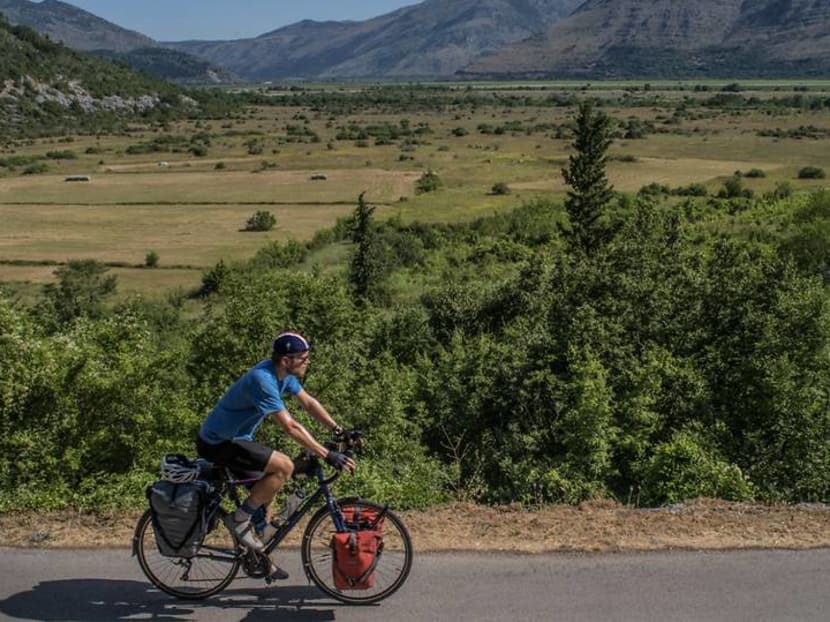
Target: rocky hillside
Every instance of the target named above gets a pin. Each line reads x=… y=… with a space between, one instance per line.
x=670 y=39
x=85 y=32
x=432 y=39
x=46 y=88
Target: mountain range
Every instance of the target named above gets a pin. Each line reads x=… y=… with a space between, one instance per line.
x=446 y=39
x=669 y=39
x=432 y=39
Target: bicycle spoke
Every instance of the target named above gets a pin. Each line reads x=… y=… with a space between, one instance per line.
x=197 y=577
x=392 y=567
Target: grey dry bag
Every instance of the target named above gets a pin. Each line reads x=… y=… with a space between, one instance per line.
x=180 y=516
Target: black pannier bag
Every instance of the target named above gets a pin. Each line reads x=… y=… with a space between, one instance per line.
x=181 y=515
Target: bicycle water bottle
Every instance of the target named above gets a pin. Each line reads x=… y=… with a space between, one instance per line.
x=292 y=503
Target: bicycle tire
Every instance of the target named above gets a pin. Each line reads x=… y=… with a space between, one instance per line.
x=209 y=572
x=393 y=566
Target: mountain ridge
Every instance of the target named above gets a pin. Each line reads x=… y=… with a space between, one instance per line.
x=482 y=39
x=85 y=32
x=663 y=38
x=431 y=39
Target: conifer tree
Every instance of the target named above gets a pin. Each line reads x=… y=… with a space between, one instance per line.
x=590 y=191
x=364 y=271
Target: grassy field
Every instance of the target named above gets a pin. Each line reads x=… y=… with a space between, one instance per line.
x=190 y=209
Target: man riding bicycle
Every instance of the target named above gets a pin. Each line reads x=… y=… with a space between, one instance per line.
x=226 y=435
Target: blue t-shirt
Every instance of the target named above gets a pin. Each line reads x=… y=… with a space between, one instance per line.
x=246 y=403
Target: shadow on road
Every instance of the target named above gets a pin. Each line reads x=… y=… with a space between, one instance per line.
x=98 y=600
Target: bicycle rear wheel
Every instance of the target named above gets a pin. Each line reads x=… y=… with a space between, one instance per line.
x=394 y=561
x=205 y=574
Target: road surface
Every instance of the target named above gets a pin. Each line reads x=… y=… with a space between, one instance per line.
x=107 y=585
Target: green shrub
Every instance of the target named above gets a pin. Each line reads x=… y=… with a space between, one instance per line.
x=782 y=190
x=151 y=259
x=61 y=155
x=261 y=221
x=500 y=188
x=811 y=172
x=733 y=188
x=428 y=182
x=689 y=466
x=755 y=173
x=213 y=279
x=35 y=168
x=692 y=190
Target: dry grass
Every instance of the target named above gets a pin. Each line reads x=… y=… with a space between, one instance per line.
x=597 y=526
x=195 y=187
x=190 y=213
x=189 y=235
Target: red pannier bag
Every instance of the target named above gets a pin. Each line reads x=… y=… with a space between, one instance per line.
x=356 y=552
x=362 y=518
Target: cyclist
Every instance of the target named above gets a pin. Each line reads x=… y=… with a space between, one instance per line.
x=226 y=435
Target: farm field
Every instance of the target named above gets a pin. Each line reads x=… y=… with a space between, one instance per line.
x=185 y=191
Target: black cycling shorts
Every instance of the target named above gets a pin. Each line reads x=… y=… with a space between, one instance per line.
x=237 y=455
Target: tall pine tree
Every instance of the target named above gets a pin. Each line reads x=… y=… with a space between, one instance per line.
x=590 y=191
x=365 y=270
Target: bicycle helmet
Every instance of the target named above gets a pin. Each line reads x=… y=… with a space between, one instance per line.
x=286 y=344
x=178 y=469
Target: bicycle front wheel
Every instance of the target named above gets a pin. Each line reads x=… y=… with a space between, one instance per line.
x=194 y=578
x=394 y=560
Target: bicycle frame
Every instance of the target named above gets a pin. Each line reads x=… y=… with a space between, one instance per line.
x=308 y=503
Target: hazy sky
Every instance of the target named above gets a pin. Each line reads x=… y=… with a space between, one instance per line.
x=177 y=20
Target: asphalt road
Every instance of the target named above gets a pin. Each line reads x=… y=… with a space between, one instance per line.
x=107 y=585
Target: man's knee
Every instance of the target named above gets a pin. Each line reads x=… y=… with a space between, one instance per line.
x=280 y=464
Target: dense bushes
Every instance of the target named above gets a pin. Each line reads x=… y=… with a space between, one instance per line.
x=684 y=356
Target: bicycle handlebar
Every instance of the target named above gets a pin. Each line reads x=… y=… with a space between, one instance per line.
x=348 y=441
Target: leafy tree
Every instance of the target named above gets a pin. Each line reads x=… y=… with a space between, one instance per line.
x=808 y=240
x=733 y=188
x=151 y=259
x=82 y=286
x=590 y=192
x=213 y=279
x=279 y=255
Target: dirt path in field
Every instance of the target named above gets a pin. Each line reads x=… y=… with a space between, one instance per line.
x=595 y=526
